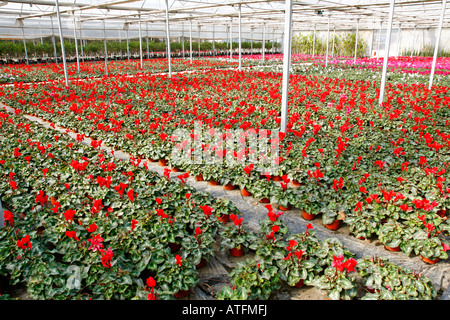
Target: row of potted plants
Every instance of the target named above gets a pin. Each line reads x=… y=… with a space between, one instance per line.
x=349 y=158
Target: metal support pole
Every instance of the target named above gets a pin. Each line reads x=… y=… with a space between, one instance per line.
x=231 y=39
x=182 y=39
x=140 y=42
x=286 y=64
x=199 y=49
x=314 y=43
x=214 y=41
x=240 y=40
x=106 y=47
x=328 y=40
x=128 y=42
x=386 y=51
x=63 y=51
x=334 y=37
x=356 y=40
x=54 y=41
x=168 y=39
x=436 y=46
x=76 y=41
x=25 y=45
x=2 y=217
x=190 y=42
x=146 y=33
x=251 y=40
x=264 y=43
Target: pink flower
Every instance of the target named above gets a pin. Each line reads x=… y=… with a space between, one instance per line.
x=96 y=243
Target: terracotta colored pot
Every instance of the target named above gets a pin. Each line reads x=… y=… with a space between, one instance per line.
x=53 y=200
x=284 y=208
x=295 y=183
x=174 y=247
x=175 y=169
x=201 y=264
x=151 y=160
x=264 y=200
x=228 y=186
x=442 y=213
x=276 y=178
x=235 y=252
x=181 y=293
x=213 y=182
x=199 y=177
x=162 y=162
x=429 y=261
x=308 y=216
x=224 y=218
x=334 y=225
x=245 y=193
x=393 y=249
x=362 y=238
x=300 y=284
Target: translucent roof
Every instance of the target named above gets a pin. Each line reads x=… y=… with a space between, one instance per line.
x=120 y=18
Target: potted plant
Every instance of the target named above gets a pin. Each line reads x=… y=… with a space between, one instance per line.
x=176 y=277
x=285 y=197
x=236 y=237
x=336 y=280
x=232 y=293
x=384 y=280
x=257 y=276
x=392 y=235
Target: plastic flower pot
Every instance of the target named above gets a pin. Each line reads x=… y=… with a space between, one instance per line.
x=162 y=162
x=334 y=225
x=175 y=169
x=264 y=200
x=53 y=200
x=237 y=252
x=393 y=249
x=228 y=186
x=295 y=183
x=429 y=261
x=181 y=294
x=245 y=193
x=224 y=218
x=201 y=263
x=284 y=208
x=300 y=284
x=442 y=213
x=308 y=216
x=213 y=182
x=199 y=177
x=276 y=178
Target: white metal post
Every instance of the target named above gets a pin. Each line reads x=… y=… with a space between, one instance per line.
x=214 y=41
x=140 y=42
x=106 y=47
x=190 y=42
x=314 y=43
x=436 y=46
x=24 y=43
x=415 y=38
x=334 y=37
x=356 y=40
x=199 y=49
x=63 y=51
x=399 y=40
x=54 y=41
x=286 y=64
x=386 y=51
x=264 y=43
x=240 y=39
x=127 y=26
x=379 y=41
x=81 y=41
x=168 y=39
x=76 y=41
x=231 y=39
x=182 y=39
x=146 y=33
x=328 y=40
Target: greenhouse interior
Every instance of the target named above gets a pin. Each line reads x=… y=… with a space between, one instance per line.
x=224 y=150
